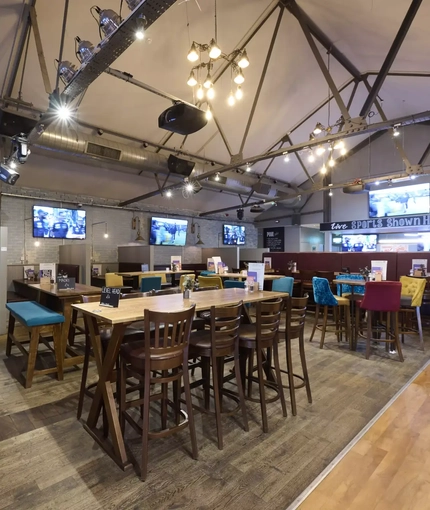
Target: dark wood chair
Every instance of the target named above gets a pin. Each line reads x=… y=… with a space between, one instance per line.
x=257 y=337
x=162 y=358
x=212 y=346
x=305 y=277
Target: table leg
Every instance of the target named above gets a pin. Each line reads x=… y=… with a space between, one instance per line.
x=104 y=393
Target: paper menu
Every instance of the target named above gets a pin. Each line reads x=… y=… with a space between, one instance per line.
x=177 y=260
x=28 y=272
x=210 y=265
x=267 y=263
x=216 y=261
x=48 y=270
x=257 y=268
x=379 y=266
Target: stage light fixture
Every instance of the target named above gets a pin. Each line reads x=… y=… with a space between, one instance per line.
x=8 y=174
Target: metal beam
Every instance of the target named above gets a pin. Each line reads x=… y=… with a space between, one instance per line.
x=262 y=78
x=321 y=37
x=424 y=156
x=320 y=61
x=299 y=159
x=223 y=136
x=63 y=35
x=389 y=59
x=39 y=48
x=353 y=131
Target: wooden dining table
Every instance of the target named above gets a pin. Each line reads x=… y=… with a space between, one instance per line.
x=239 y=276
x=128 y=311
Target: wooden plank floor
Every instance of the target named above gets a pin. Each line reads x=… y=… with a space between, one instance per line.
x=389 y=467
x=48 y=461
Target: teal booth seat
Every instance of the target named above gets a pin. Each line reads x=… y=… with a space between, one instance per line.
x=283 y=285
x=150 y=283
x=230 y=284
x=33 y=314
x=347 y=289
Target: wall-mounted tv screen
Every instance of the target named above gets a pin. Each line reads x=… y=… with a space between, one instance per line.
x=399 y=201
x=58 y=222
x=358 y=242
x=168 y=232
x=234 y=234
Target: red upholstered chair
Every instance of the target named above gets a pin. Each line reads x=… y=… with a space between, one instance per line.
x=383 y=297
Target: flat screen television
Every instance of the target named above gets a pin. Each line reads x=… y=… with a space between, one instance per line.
x=233 y=234
x=359 y=242
x=59 y=223
x=168 y=232
x=399 y=201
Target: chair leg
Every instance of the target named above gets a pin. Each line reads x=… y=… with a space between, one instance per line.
x=216 y=385
x=369 y=333
x=279 y=377
x=122 y=394
x=191 y=424
x=420 y=327
x=58 y=351
x=337 y=323
x=164 y=402
x=288 y=356
x=317 y=313
x=32 y=355
x=396 y=336
x=250 y=371
x=145 y=425
x=84 y=378
x=305 y=367
x=261 y=388
x=324 y=327
x=348 y=332
x=237 y=371
x=10 y=331
x=206 y=374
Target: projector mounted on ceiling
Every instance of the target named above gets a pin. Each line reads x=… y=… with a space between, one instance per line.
x=356 y=187
x=256 y=209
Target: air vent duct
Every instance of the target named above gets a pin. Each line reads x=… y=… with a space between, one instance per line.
x=102 y=151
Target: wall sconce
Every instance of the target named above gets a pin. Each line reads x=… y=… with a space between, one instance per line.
x=138 y=225
x=193 y=231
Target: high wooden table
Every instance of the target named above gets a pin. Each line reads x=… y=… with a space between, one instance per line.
x=59 y=301
x=131 y=310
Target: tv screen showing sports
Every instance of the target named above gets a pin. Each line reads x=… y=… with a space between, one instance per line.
x=399 y=201
x=358 y=242
x=59 y=223
x=234 y=234
x=168 y=232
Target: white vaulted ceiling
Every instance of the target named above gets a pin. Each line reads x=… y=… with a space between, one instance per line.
x=294 y=85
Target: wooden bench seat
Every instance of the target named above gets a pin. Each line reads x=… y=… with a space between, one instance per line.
x=36 y=319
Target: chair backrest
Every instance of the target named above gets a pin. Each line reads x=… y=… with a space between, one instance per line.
x=151 y=275
x=225 y=322
x=295 y=317
x=114 y=280
x=323 y=295
x=268 y=316
x=234 y=284
x=210 y=281
x=181 y=280
x=325 y=274
x=169 y=344
x=306 y=275
x=165 y=292
x=202 y=289
x=206 y=273
x=414 y=288
x=382 y=296
x=347 y=289
x=150 y=283
x=283 y=285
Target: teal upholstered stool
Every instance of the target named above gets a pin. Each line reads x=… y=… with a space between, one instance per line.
x=36 y=318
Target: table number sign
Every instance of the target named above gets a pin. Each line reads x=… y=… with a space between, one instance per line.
x=110 y=297
x=65 y=283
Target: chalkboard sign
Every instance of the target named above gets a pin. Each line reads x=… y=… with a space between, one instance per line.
x=64 y=283
x=274 y=238
x=110 y=297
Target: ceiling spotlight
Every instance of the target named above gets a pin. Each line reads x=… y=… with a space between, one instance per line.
x=239 y=93
x=330 y=193
x=106 y=235
x=8 y=174
x=214 y=50
x=168 y=194
x=339 y=145
x=192 y=80
x=211 y=92
x=396 y=132
x=239 y=78
x=189 y=187
x=248 y=167
x=200 y=92
x=311 y=157
x=413 y=177
x=109 y=20
x=208 y=113
x=377 y=183
x=323 y=170
x=320 y=150
x=343 y=151
x=192 y=54
x=331 y=162
x=243 y=62
x=132 y=4
x=208 y=82
x=286 y=157
x=84 y=50
x=217 y=176
x=140 y=28
x=318 y=128
x=231 y=99
x=66 y=70
x=63 y=112
x=12 y=164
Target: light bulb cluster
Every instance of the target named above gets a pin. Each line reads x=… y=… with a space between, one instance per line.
x=320 y=150
x=238 y=60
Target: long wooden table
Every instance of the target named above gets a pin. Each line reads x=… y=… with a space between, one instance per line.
x=239 y=276
x=130 y=310
x=59 y=301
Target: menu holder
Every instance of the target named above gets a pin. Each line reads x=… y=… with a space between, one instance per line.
x=45 y=280
x=110 y=297
x=65 y=283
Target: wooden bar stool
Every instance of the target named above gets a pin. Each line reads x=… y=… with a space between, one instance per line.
x=36 y=319
x=264 y=334
x=383 y=297
x=325 y=298
x=212 y=346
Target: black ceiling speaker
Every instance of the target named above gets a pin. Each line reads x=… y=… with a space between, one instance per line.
x=180 y=166
x=356 y=188
x=183 y=119
x=240 y=214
